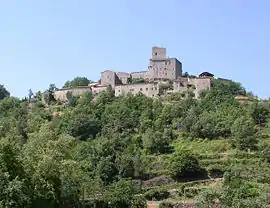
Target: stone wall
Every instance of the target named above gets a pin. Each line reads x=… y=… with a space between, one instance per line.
x=202 y=84
x=98 y=89
x=139 y=75
x=180 y=85
x=61 y=94
x=148 y=89
x=123 y=76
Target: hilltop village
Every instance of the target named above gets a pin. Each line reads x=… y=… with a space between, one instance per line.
x=164 y=76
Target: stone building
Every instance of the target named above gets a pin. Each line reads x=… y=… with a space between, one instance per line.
x=123 y=76
x=109 y=77
x=161 y=70
x=98 y=89
x=161 y=67
x=139 y=75
x=148 y=89
x=61 y=94
x=195 y=85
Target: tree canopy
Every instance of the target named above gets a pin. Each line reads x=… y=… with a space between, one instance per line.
x=77 y=81
x=103 y=151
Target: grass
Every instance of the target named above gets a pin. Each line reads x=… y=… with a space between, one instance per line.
x=203 y=146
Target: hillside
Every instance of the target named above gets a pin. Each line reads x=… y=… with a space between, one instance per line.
x=133 y=151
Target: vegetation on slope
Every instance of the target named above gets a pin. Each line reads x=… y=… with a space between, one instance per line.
x=121 y=152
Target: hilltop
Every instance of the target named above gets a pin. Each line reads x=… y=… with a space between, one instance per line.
x=127 y=151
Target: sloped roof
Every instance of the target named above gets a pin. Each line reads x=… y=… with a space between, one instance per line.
x=206 y=74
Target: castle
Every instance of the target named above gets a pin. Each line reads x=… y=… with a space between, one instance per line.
x=164 y=76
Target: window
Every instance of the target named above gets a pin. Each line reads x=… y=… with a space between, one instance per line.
x=146 y=89
x=165 y=73
x=118 y=90
x=156 y=54
x=155 y=88
x=108 y=77
x=141 y=89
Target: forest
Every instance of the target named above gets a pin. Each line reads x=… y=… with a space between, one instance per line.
x=133 y=151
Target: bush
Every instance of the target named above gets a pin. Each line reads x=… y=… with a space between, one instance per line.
x=165 y=205
x=188 y=190
x=216 y=170
x=191 y=192
x=156 y=194
x=207 y=199
x=185 y=164
x=138 y=202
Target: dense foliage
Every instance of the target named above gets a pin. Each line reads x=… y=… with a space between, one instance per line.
x=3 y=92
x=101 y=151
x=77 y=81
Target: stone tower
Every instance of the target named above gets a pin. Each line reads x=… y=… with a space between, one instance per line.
x=158 y=53
x=161 y=67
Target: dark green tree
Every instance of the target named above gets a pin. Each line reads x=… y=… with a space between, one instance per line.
x=3 y=92
x=185 y=164
x=83 y=126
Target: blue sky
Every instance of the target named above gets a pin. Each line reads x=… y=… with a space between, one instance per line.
x=51 y=41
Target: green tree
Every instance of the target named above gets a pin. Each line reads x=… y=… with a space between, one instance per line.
x=85 y=99
x=14 y=193
x=72 y=100
x=48 y=95
x=30 y=94
x=38 y=96
x=243 y=133
x=77 y=81
x=121 y=193
x=83 y=126
x=185 y=164
x=260 y=113
x=138 y=201
x=156 y=142
x=3 y=92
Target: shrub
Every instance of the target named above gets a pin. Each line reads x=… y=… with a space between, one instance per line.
x=188 y=190
x=156 y=194
x=216 y=170
x=185 y=164
x=191 y=192
x=138 y=202
x=207 y=199
x=165 y=205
